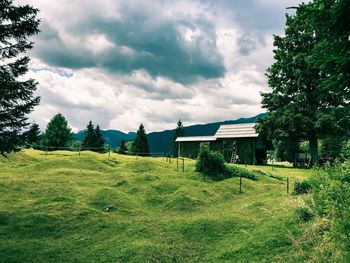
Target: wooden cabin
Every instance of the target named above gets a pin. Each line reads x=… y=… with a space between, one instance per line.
x=239 y=143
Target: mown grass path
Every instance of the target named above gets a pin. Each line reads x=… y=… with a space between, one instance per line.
x=53 y=209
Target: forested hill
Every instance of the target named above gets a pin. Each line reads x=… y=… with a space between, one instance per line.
x=163 y=141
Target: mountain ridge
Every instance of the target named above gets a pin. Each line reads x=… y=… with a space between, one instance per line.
x=162 y=141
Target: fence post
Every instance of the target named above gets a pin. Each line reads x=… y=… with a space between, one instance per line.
x=183 y=164
x=79 y=150
x=109 y=153
x=137 y=156
x=287 y=185
x=240 y=183
x=45 y=150
x=177 y=163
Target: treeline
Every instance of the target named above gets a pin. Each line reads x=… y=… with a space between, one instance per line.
x=58 y=135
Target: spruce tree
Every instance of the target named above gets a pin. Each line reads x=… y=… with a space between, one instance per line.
x=99 y=141
x=122 y=147
x=140 y=144
x=179 y=132
x=17 y=23
x=89 y=140
x=57 y=133
x=33 y=135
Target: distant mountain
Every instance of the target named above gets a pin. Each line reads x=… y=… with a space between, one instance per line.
x=112 y=137
x=162 y=142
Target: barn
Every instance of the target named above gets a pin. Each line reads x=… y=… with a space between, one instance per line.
x=239 y=143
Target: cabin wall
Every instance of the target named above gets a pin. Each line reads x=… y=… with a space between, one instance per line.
x=249 y=150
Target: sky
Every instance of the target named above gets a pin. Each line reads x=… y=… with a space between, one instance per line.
x=120 y=63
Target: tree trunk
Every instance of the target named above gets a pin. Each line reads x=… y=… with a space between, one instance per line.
x=313 y=145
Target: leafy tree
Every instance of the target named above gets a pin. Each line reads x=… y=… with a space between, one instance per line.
x=331 y=21
x=179 y=132
x=17 y=23
x=99 y=141
x=57 y=133
x=332 y=147
x=122 y=147
x=140 y=144
x=300 y=105
x=89 y=140
x=33 y=135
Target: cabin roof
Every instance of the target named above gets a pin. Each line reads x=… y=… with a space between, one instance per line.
x=196 y=139
x=246 y=130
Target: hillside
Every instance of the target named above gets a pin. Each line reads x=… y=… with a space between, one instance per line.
x=53 y=209
x=163 y=141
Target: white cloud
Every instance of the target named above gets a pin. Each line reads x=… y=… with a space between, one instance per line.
x=206 y=32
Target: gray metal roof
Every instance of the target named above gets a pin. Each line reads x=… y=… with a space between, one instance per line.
x=196 y=139
x=236 y=131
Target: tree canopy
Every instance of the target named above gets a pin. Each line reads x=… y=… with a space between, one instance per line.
x=17 y=23
x=140 y=144
x=58 y=133
x=306 y=102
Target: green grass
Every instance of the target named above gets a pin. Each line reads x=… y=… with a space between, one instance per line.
x=53 y=209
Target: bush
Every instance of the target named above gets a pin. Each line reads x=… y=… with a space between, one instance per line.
x=331 y=196
x=211 y=164
x=302 y=187
x=237 y=171
x=305 y=214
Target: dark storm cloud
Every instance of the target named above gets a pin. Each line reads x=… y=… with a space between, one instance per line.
x=140 y=43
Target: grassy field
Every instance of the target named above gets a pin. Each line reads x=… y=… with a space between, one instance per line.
x=54 y=209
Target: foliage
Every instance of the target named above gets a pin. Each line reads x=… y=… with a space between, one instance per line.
x=33 y=136
x=140 y=144
x=306 y=101
x=179 y=132
x=93 y=139
x=302 y=187
x=122 y=149
x=305 y=214
x=331 y=190
x=99 y=141
x=211 y=164
x=58 y=133
x=332 y=147
x=241 y=172
x=17 y=23
x=89 y=140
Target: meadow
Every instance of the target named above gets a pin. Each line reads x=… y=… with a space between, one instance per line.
x=62 y=207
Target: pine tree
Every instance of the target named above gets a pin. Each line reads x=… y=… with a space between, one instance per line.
x=140 y=144
x=17 y=23
x=179 y=132
x=122 y=147
x=33 y=135
x=89 y=140
x=57 y=133
x=99 y=141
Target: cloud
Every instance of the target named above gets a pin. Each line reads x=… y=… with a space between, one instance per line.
x=119 y=63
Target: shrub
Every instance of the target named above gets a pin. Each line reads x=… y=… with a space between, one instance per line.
x=305 y=214
x=302 y=187
x=331 y=196
x=238 y=171
x=211 y=164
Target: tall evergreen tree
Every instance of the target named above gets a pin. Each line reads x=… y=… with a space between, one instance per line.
x=89 y=140
x=299 y=106
x=17 y=23
x=140 y=144
x=57 y=133
x=99 y=141
x=122 y=147
x=179 y=132
x=33 y=135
